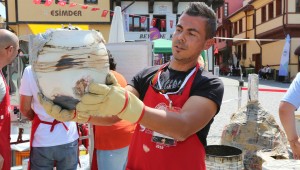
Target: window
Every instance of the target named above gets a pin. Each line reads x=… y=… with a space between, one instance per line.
x=226 y=9
x=223 y=33
x=240 y=25
x=263 y=14
x=139 y=23
x=234 y=28
x=90 y=1
x=297 y=5
x=271 y=11
x=244 y=55
x=160 y=22
x=57 y=1
x=253 y=21
x=219 y=12
x=278 y=8
x=239 y=52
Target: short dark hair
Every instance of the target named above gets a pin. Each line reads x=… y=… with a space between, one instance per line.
x=201 y=9
x=112 y=63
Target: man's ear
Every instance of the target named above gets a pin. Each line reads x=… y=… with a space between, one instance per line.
x=209 y=43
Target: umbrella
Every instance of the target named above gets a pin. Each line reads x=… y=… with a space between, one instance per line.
x=116 y=33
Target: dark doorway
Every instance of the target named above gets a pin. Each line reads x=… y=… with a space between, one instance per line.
x=257 y=59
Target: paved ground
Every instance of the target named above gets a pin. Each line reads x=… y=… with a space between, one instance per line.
x=269 y=101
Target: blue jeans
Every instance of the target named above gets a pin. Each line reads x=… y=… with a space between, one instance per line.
x=66 y=157
x=112 y=159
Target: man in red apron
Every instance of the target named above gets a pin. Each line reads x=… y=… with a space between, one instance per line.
x=9 y=49
x=52 y=142
x=179 y=98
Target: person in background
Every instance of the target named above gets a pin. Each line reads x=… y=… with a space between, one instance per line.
x=268 y=72
x=289 y=103
x=9 y=49
x=262 y=73
x=173 y=105
x=52 y=142
x=112 y=142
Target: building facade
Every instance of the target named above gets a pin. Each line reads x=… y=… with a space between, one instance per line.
x=259 y=30
x=223 y=47
x=144 y=20
x=26 y=17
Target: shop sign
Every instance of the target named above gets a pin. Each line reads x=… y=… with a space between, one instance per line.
x=162 y=35
x=66 y=13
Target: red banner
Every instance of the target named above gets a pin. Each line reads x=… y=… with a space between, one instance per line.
x=153 y=22
x=104 y=13
x=143 y=19
x=37 y=1
x=171 y=23
x=62 y=3
x=84 y=6
x=95 y=9
x=72 y=4
x=48 y=2
x=163 y=23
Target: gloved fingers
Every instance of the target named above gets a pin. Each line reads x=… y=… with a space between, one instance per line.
x=67 y=115
x=92 y=99
x=98 y=113
x=111 y=79
x=47 y=104
x=55 y=110
x=81 y=107
x=101 y=89
x=83 y=117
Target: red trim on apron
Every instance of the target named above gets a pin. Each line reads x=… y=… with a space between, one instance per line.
x=35 y=124
x=147 y=155
x=5 y=149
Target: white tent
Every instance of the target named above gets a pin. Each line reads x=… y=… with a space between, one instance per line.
x=116 y=33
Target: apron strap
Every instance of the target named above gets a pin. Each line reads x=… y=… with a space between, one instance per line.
x=55 y=122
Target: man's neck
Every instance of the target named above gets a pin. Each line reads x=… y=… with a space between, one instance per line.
x=182 y=66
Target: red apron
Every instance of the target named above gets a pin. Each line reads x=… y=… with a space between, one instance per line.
x=35 y=124
x=5 y=150
x=147 y=155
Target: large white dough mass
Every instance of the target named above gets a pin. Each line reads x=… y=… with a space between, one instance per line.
x=66 y=61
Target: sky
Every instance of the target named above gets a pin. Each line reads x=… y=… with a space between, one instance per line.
x=2 y=10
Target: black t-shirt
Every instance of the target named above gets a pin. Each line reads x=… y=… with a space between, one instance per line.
x=205 y=85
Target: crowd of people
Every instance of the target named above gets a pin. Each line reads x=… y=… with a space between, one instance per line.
x=162 y=115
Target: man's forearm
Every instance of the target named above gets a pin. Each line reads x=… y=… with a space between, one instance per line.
x=29 y=114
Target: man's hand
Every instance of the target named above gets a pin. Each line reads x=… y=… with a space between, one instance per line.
x=108 y=100
x=60 y=114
